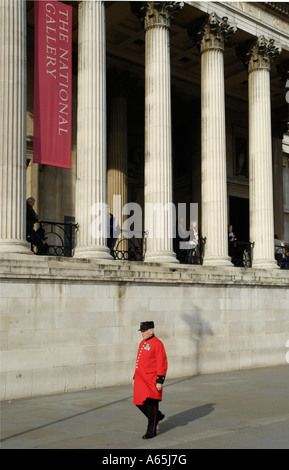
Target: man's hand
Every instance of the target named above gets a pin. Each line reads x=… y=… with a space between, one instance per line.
x=159 y=387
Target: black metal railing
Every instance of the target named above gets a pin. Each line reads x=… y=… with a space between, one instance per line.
x=190 y=255
x=242 y=254
x=133 y=249
x=58 y=239
x=54 y=239
x=282 y=255
x=130 y=249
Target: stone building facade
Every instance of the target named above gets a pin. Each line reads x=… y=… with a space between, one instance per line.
x=173 y=102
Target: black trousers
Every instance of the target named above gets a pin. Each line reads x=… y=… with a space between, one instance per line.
x=150 y=409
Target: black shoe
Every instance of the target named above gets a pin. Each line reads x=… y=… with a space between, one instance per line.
x=160 y=417
x=149 y=436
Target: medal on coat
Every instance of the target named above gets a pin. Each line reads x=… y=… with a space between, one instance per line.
x=147 y=347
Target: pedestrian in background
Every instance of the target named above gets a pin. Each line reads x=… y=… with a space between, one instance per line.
x=31 y=219
x=278 y=250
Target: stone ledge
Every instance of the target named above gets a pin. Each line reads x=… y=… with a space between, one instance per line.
x=52 y=269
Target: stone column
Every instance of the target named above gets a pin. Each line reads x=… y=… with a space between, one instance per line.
x=91 y=133
x=279 y=128
x=258 y=58
x=117 y=147
x=211 y=38
x=13 y=127
x=156 y=18
x=277 y=135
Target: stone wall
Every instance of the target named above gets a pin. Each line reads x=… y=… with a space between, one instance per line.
x=72 y=324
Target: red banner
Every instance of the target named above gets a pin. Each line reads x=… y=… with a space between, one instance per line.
x=52 y=84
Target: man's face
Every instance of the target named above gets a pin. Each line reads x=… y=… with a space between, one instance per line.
x=147 y=334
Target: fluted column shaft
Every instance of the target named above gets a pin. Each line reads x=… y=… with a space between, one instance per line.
x=159 y=209
x=13 y=127
x=117 y=156
x=158 y=146
x=260 y=155
x=211 y=39
x=91 y=132
x=214 y=187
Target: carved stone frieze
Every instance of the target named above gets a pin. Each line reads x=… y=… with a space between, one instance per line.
x=259 y=53
x=212 y=32
x=152 y=14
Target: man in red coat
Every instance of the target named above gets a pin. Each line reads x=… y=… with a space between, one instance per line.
x=150 y=372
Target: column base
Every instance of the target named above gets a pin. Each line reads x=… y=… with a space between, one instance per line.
x=98 y=252
x=217 y=261
x=166 y=257
x=265 y=264
x=15 y=246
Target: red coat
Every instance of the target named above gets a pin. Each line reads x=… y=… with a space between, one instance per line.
x=151 y=366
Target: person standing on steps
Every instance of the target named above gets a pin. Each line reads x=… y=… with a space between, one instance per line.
x=150 y=372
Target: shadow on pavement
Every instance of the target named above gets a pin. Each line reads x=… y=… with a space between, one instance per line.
x=185 y=417
x=52 y=423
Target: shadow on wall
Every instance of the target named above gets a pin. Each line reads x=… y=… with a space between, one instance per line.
x=200 y=329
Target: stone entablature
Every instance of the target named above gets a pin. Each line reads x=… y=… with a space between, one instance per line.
x=250 y=17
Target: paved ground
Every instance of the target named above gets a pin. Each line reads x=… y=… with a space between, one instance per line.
x=247 y=409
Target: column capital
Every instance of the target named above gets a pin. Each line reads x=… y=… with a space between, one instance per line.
x=156 y=14
x=258 y=54
x=211 y=33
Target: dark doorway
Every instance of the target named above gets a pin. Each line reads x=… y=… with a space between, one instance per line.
x=239 y=217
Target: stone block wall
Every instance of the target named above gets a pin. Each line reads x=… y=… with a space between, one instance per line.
x=72 y=325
